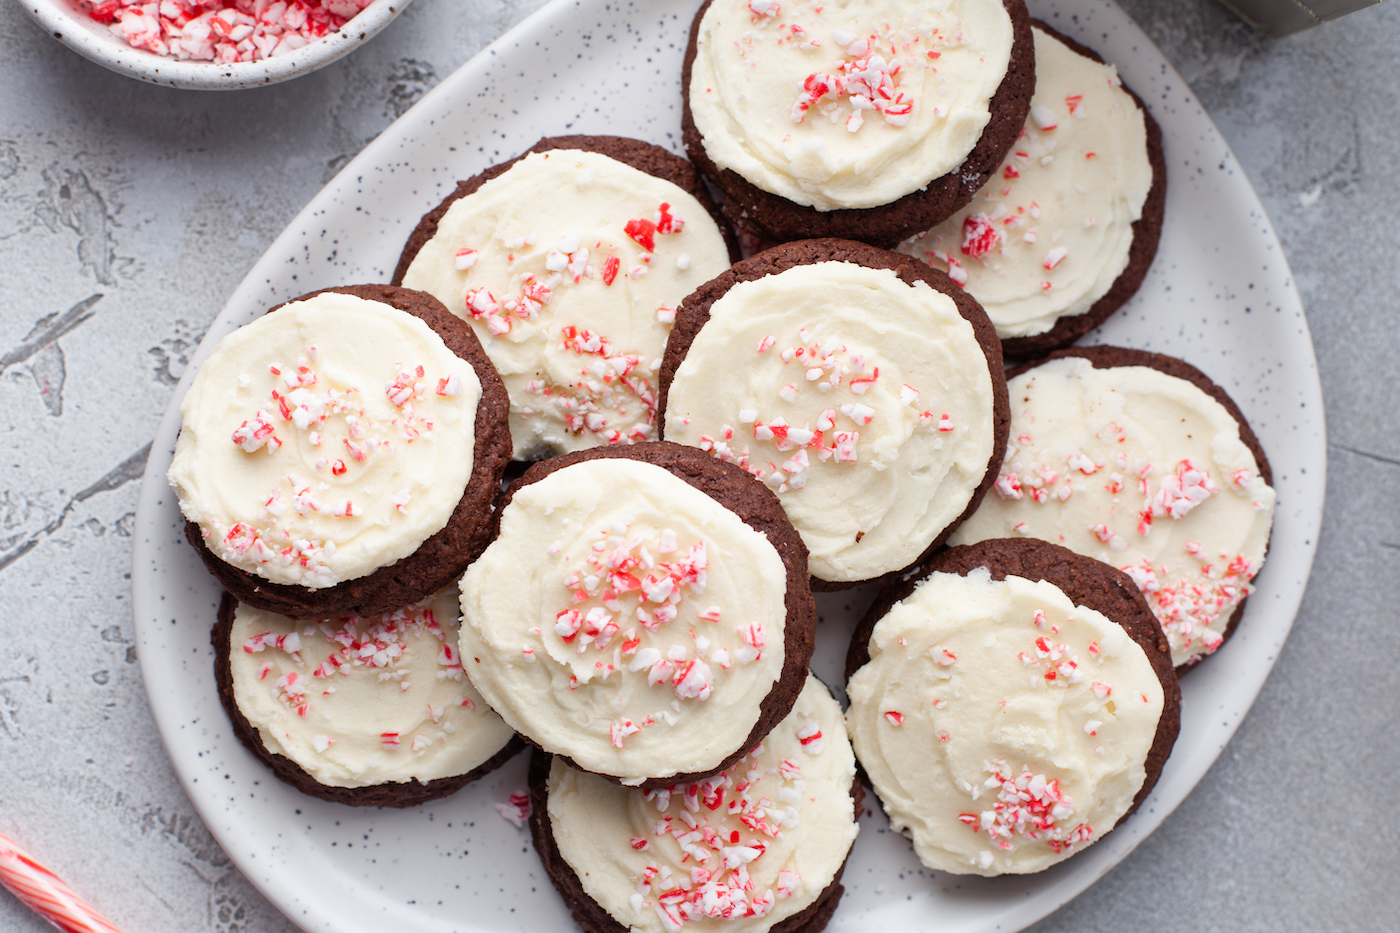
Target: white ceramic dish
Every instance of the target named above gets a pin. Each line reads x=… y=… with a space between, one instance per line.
x=1219 y=295
x=63 y=20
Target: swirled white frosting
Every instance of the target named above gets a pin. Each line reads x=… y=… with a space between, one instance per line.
x=625 y=619
x=569 y=267
x=325 y=440
x=846 y=103
x=739 y=852
x=1142 y=471
x=1003 y=727
x=864 y=402
x=358 y=702
x=1051 y=232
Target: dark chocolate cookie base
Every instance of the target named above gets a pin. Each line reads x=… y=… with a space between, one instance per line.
x=774 y=217
x=1087 y=582
x=758 y=507
x=444 y=555
x=1147 y=233
x=642 y=156
x=406 y=794
x=591 y=916
x=694 y=312
x=1105 y=357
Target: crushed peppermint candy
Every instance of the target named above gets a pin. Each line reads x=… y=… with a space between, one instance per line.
x=1186 y=487
x=612 y=395
x=222 y=31
x=624 y=600
x=1194 y=607
x=866 y=82
x=980 y=235
x=1029 y=806
x=722 y=826
x=378 y=648
x=516 y=809
x=810 y=736
x=1054 y=258
x=825 y=364
x=1044 y=117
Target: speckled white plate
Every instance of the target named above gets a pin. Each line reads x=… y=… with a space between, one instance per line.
x=1220 y=296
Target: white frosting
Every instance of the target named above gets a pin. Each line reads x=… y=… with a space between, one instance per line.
x=754 y=845
x=847 y=103
x=977 y=691
x=571 y=275
x=1050 y=233
x=884 y=399
x=325 y=440
x=625 y=619
x=358 y=702
x=1140 y=470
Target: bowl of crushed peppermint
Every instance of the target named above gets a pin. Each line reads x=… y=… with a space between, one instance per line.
x=213 y=44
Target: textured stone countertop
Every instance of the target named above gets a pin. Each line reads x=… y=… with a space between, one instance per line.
x=129 y=213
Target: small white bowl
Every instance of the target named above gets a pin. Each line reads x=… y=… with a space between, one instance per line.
x=70 y=25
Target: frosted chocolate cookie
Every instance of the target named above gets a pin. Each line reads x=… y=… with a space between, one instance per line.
x=644 y=611
x=860 y=385
x=340 y=454
x=569 y=262
x=1138 y=460
x=866 y=121
x=366 y=712
x=1066 y=232
x=758 y=847
x=1011 y=707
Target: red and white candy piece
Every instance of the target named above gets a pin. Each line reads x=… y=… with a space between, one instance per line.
x=46 y=894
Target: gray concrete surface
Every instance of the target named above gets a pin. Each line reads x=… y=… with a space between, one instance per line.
x=128 y=214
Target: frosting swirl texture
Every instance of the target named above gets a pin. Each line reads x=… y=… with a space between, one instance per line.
x=849 y=103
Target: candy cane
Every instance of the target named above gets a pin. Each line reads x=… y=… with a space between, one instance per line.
x=46 y=894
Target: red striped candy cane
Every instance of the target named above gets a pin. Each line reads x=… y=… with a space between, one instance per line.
x=46 y=894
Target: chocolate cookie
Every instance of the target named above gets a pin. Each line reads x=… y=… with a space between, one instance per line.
x=1080 y=132
x=591 y=916
x=1147 y=233
x=755 y=506
x=1104 y=357
x=946 y=686
x=734 y=801
x=390 y=794
x=1215 y=571
x=642 y=156
x=444 y=555
x=771 y=216
x=695 y=313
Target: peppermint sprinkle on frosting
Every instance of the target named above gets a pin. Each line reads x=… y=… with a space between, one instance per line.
x=1142 y=471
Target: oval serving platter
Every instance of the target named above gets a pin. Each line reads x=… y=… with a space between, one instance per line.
x=1219 y=295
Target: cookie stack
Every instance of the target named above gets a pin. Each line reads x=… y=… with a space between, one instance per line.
x=695 y=441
